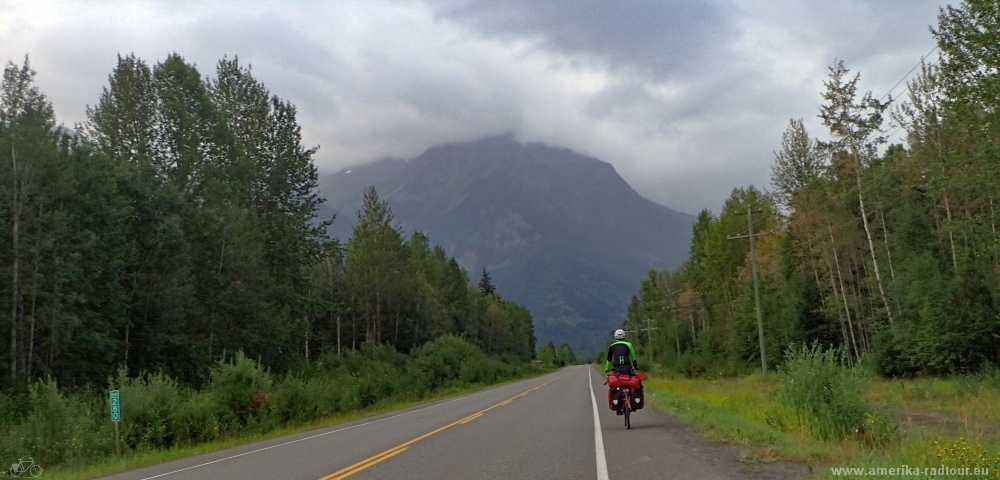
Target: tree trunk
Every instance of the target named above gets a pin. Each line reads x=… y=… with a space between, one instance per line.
x=15 y=294
x=694 y=333
x=31 y=325
x=836 y=296
x=843 y=294
x=993 y=227
x=859 y=297
x=871 y=244
x=833 y=285
x=951 y=234
x=885 y=241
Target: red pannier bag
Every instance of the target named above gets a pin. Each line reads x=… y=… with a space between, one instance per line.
x=623 y=380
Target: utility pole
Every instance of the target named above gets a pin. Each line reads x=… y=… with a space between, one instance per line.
x=673 y=305
x=649 y=340
x=756 y=287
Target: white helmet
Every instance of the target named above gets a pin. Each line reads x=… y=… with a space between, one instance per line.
x=619 y=334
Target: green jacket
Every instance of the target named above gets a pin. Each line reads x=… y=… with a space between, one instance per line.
x=620 y=353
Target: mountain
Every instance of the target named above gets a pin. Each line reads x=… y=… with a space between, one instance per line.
x=560 y=233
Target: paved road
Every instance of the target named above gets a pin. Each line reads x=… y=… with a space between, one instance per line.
x=537 y=428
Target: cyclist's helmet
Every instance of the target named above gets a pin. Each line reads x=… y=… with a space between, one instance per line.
x=619 y=334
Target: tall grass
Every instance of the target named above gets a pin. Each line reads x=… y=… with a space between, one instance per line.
x=823 y=397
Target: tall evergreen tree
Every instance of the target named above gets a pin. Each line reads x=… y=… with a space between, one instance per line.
x=486 y=287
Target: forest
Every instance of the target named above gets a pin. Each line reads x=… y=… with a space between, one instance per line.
x=178 y=226
x=169 y=248
x=889 y=252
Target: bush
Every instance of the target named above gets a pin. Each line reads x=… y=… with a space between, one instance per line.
x=241 y=397
x=243 y=388
x=379 y=382
x=442 y=360
x=325 y=393
x=824 y=398
x=198 y=419
x=693 y=365
x=59 y=429
x=149 y=404
x=295 y=402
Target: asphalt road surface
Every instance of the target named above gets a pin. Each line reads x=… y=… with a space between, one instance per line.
x=553 y=427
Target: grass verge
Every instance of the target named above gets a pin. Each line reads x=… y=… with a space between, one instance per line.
x=949 y=423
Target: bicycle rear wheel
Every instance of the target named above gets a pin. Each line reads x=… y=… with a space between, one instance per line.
x=627 y=405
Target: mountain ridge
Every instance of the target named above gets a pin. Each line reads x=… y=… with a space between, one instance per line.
x=559 y=232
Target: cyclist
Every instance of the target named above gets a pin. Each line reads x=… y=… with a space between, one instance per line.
x=621 y=355
x=622 y=359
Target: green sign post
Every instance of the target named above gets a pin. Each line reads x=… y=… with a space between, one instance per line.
x=116 y=416
x=116 y=407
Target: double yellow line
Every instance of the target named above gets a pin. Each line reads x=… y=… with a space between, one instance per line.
x=392 y=452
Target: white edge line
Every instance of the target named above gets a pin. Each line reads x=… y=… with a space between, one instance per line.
x=320 y=435
x=602 y=461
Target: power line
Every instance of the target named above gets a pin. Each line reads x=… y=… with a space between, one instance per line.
x=901 y=80
x=889 y=93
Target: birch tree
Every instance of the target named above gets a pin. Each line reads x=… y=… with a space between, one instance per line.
x=855 y=125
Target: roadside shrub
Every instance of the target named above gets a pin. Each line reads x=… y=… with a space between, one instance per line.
x=355 y=362
x=879 y=431
x=693 y=365
x=485 y=370
x=441 y=360
x=377 y=382
x=8 y=410
x=243 y=388
x=60 y=429
x=476 y=370
x=197 y=419
x=824 y=398
x=348 y=393
x=292 y=402
x=325 y=394
x=149 y=404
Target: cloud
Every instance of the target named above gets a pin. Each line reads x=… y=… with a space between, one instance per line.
x=661 y=39
x=688 y=99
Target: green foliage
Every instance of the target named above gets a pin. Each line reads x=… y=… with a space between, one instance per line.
x=57 y=429
x=198 y=418
x=159 y=413
x=890 y=255
x=486 y=286
x=441 y=361
x=820 y=395
x=243 y=388
x=149 y=419
x=182 y=225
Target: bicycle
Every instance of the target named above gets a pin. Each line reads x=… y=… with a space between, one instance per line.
x=623 y=387
x=625 y=406
x=25 y=465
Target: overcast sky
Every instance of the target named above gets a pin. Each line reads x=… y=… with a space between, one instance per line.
x=687 y=99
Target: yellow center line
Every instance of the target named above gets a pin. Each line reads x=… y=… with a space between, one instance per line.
x=357 y=467
x=375 y=459
x=471 y=418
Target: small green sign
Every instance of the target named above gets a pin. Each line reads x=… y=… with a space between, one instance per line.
x=116 y=407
